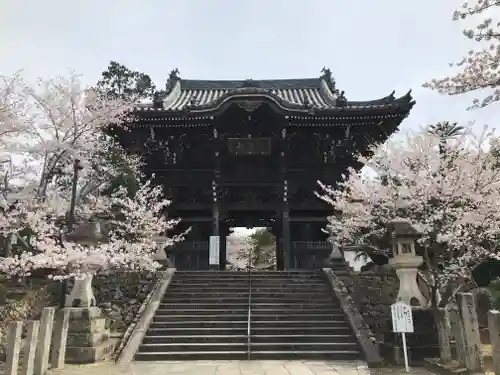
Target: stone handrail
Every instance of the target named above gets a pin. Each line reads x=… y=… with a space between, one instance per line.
x=365 y=336
x=135 y=332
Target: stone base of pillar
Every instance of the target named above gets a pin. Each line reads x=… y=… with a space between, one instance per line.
x=88 y=338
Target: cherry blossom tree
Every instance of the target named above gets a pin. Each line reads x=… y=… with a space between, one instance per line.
x=64 y=122
x=72 y=218
x=450 y=191
x=11 y=125
x=260 y=250
x=479 y=69
x=127 y=227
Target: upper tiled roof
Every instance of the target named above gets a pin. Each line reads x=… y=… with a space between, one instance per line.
x=197 y=96
x=195 y=93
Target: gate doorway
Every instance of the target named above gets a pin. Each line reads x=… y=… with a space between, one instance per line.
x=251 y=249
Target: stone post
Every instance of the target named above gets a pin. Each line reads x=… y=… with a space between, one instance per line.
x=44 y=340
x=457 y=332
x=494 y=330
x=13 y=348
x=59 y=338
x=88 y=338
x=443 y=327
x=32 y=328
x=472 y=341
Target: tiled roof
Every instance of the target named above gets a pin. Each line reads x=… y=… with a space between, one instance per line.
x=204 y=97
x=303 y=95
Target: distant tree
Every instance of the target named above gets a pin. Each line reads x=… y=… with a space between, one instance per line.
x=445 y=131
x=262 y=249
x=479 y=69
x=119 y=82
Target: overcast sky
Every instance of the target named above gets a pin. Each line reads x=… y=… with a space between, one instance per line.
x=371 y=46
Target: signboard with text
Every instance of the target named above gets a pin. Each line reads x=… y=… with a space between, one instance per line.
x=402 y=317
x=214 y=250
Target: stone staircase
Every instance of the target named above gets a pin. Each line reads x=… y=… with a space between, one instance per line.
x=204 y=315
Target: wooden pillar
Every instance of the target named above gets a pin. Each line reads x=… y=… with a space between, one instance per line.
x=287 y=250
x=276 y=230
x=223 y=233
x=285 y=212
x=215 y=195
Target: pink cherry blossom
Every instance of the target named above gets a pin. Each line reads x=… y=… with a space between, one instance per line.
x=479 y=69
x=452 y=197
x=62 y=123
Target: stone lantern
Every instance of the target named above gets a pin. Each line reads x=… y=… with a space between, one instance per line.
x=88 y=337
x=405 y=262
x=81 y=294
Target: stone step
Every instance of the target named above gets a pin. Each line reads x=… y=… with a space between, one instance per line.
x=328 y=310
x=244 y=299
x=302 y=330
x=278 y=284
x=256 y=324
x=333 y=324
x=199 y=288
x=235 y=282
x=180 y=356
x=201 y=312
x=294 y=338
x=207 y=300
x=253 y=273
x=173 y=347
x=328 y=305
x=191 y=331
x=209 y=286
x=295 y=304
x=204 y=315
x=254 y=295
x=243 y=315
x=200 y=324
x=287 y=338
x=277 y=312
x=331 y=355
x=303 y=346
x=228 y=316
x=201 y=305
x=244 y=277
x=299 y=299
x=258 y=316
x=195 y=339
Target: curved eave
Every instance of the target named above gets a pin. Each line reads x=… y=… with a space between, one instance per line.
x=250 y=93
x=387 y=104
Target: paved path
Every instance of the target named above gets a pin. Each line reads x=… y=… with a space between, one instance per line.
x=234 y=368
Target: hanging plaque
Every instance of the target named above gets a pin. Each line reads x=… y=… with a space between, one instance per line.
x=249 y=146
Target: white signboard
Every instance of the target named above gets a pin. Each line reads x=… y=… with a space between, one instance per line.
x=402 y=322
x=214 y=250
x=402 y=317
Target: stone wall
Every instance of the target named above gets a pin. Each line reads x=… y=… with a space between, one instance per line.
x=29 y=306
x=373 y=292
x=121 y=294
